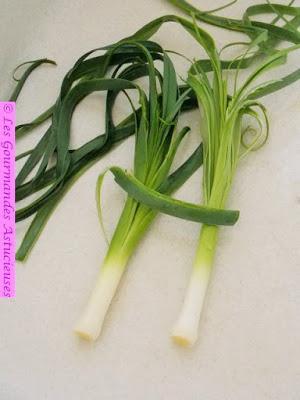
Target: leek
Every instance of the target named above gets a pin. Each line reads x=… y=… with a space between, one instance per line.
x=155 y=148
x=224 y=144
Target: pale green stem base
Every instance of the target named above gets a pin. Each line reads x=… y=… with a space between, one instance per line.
x=91 y=321
x=185 y=331
x=131 y=227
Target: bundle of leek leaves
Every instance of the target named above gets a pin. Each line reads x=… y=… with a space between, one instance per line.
x=156 y=141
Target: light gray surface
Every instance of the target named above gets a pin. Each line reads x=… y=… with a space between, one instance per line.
x=249 y=335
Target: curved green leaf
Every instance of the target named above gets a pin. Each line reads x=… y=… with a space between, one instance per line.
x=21 y=81
x=170 y=206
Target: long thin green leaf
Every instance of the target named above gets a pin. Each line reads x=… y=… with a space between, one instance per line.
x=22 y=129
x=167 y=205
x=34 y=158
x=21 y=81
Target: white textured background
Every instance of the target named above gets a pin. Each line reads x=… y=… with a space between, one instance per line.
x=249 y=346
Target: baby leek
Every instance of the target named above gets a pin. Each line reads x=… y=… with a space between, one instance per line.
x=155 y=147
x=223 y=145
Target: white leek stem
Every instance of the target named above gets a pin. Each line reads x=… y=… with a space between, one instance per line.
x=185 y=331
x=90 y=324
